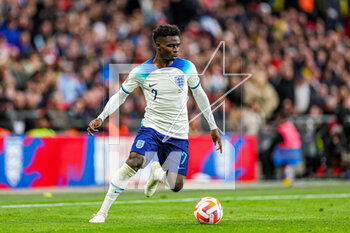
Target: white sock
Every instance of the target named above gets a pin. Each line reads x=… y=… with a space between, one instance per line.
x=118 y=183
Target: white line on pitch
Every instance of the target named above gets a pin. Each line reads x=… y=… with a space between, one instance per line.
x=241 y=198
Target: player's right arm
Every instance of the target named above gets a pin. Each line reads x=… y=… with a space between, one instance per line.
x=114 y=102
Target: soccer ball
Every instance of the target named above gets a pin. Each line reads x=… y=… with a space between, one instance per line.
x=208 y=210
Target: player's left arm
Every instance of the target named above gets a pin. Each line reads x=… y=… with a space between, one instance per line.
x=202 y=100
x=204 y=105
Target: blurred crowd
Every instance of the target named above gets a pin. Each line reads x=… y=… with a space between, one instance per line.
x=55 y=56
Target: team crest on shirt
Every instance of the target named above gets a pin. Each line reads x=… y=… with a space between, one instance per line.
x=179 y=80
x=140 y=144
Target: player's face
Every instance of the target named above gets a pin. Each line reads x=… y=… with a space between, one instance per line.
x=168 y=47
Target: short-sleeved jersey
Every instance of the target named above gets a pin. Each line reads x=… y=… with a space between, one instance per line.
x=166 y=94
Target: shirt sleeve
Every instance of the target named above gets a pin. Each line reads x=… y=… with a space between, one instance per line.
x=118 y=99
x=131 y=81
x=113 y=104
x=204 y=105
x=193 y=80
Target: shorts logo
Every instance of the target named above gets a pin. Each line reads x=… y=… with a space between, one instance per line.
x=140 y=144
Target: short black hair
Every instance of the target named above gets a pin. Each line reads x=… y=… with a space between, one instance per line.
x=165 y=30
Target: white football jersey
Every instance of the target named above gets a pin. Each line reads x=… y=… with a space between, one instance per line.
x=166 y=94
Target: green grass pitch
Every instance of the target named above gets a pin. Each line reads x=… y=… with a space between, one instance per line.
x=324 y=208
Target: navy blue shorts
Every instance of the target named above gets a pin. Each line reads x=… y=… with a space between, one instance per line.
x=286 y=156
x=172 y=153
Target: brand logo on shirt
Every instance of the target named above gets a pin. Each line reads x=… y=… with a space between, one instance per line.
x=179 y=80
x=151 y=85
x=140 y=144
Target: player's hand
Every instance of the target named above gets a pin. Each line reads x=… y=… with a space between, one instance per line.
x=216 y=139
x=93 y=125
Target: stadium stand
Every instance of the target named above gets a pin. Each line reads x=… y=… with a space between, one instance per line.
x=54 y=58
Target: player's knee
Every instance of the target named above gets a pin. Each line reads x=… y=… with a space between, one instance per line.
x=178 y=186
x=135 y=161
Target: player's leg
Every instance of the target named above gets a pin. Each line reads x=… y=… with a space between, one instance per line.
x=171 y=168
x=118 y=183
x=157 y=174
x=141 y=152
x=175 y=181
x=171 y=179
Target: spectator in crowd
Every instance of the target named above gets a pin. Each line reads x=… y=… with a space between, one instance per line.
x=286 y=149
x=42 y=128
x=252 y=120
x=260 y=90
x=5 y=114
x=55 y=56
